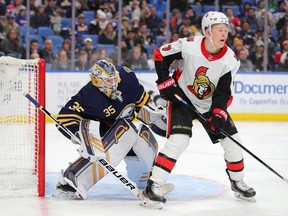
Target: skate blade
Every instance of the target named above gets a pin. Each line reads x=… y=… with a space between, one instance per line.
x=240 y=196
x=151 y=204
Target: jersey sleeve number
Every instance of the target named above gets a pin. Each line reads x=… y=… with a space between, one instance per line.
x=109 y=111
x=76 y=107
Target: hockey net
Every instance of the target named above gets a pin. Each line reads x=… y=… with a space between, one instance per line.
x=22 y=127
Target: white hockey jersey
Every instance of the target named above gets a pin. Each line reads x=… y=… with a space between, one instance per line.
x=202 y=76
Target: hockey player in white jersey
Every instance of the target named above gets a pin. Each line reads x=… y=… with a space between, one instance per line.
x=205 y=74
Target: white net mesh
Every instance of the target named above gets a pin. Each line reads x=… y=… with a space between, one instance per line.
x=19 y=127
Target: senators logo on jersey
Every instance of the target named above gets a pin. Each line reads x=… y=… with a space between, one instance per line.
x=202 y=88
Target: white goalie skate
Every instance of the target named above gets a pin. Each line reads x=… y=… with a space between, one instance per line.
x=65 y=192
x=69 y=186
x=242 y=191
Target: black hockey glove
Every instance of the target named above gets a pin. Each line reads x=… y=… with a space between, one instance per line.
x=217 y=120
x=168 y=87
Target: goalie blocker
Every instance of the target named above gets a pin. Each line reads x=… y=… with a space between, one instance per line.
x=155 y=117
x=138 y=148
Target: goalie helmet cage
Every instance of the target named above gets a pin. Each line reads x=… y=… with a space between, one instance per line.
x=22 y=127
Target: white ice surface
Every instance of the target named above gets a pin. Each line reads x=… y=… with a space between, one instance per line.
x=202 y=187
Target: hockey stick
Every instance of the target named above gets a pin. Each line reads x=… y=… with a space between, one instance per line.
x=104 y=163
x=231 y=138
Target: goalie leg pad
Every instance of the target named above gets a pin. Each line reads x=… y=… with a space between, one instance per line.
x=146 y=148
x=81 y=176
x=87 y=149
x=115 y=144
x=119 y=140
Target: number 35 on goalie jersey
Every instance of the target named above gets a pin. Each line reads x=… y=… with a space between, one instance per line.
x=90 y=103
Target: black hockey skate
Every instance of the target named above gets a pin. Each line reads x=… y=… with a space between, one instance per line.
x=242 y=191
x=152 y=197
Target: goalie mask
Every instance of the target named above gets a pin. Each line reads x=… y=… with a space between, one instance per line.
x=106 y=78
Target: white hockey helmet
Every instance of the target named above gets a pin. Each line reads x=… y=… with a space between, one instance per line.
x=211 y=18
x=105 y=77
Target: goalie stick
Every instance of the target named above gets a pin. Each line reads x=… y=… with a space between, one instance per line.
x=231 y=138
x=103 y=162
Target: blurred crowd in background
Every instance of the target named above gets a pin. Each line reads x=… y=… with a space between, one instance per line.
x=142 y=30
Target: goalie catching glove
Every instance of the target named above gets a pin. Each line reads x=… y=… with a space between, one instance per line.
x=155 y=117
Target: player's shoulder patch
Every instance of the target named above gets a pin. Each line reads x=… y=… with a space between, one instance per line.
x=128 y=70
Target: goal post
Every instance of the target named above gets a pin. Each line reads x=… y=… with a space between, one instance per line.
x=22 y=127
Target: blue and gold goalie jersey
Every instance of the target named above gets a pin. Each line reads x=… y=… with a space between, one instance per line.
x=90 y=103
